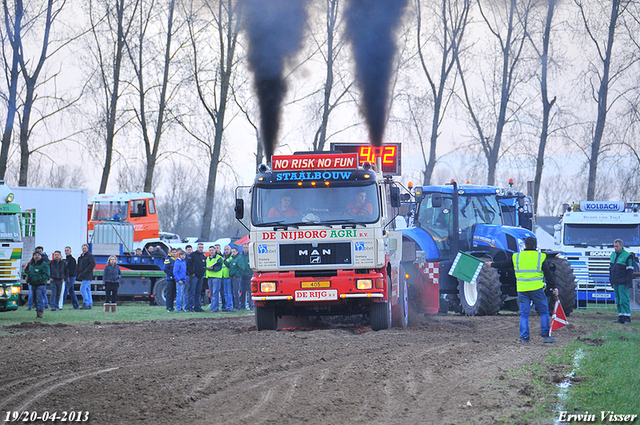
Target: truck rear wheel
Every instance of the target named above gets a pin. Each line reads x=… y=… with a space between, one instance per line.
x=159 y=292
x=401 y=310
x=482 y=298
x=566 y=284
x=380 y=315
x=266 y=319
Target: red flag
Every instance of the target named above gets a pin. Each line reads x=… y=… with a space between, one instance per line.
x=558 y=319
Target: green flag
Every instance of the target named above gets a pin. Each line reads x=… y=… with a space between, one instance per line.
x=466 y=267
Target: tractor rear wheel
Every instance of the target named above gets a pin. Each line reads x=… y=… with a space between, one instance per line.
x=482 y=298
x=566 y=284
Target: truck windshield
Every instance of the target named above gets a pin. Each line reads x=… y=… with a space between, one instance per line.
x=312 y=206
x=10 y=228
x=109 y=210
x=601 y=235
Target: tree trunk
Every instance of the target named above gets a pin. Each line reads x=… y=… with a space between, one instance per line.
x=546 y=105
x=603 y=91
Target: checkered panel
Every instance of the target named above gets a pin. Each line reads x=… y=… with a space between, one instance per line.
x=432 y=272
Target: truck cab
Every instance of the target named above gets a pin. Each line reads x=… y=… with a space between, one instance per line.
x=323 y=242
x=585 y=236
x=137 y=208
x=10 y=249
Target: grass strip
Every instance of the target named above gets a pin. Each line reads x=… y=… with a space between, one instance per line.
x=126 y=312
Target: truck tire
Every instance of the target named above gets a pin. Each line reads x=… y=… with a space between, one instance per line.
x=380 y=315
x=566 y=284
x=266 y=319
x=484 y=297
x=158 y=292
x=401 y=311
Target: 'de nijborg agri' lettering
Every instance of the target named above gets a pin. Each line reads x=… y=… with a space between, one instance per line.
x=309 y=234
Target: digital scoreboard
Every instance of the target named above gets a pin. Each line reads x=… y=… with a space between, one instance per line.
x=389 y=153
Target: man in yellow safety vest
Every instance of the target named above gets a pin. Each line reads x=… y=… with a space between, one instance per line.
x=531 y=268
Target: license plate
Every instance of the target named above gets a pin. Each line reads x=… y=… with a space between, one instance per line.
x=317 y=295
x=601 y=296
x=321 y=284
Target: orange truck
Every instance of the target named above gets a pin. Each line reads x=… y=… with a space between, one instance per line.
x=323 y=240
x=137 y=208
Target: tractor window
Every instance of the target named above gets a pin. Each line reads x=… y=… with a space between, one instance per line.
x=152 y=207
x=437 y=221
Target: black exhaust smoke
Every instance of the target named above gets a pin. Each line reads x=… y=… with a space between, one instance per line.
x=371 y=28
x=274 y=30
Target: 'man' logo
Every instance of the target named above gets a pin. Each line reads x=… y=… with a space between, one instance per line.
x=315 y=252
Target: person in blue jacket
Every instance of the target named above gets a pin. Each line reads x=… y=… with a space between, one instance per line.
x=180 y=278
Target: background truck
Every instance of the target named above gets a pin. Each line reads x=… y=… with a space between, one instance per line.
x=11 y=231
x=585 y=236
x=61 y=217
x=470 y=218
x=327 y=253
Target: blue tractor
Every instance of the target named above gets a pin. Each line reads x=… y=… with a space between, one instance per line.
x=487 y=222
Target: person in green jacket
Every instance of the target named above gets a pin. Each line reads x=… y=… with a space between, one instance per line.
x=621 y=278
x=213 y=274
x=247 y=274
x=236 y=277
x=227 y=296
x=38 y=274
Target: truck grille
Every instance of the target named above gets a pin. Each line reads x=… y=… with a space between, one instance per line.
x=316 y=254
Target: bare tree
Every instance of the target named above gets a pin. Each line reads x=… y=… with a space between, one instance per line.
x=13 y=32
x=453 y=16
x=603 y=78
x=509 y=33
x=179 y=207
x=110 y=28
x=330 y=47
x=141 y=65
x=213 y=81
x=547 y=105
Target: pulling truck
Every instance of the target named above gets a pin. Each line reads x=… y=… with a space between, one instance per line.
x=11 y=250
x=469 y=218
x=323 y=240
x=586 y=236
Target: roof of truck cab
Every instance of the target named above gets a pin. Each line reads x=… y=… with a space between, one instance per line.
x=122 y=197
x=467 y=188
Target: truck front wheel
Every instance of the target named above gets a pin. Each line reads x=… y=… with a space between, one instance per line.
x=380 y=315
x=158 y=292
x=266 y=319
x=482 y=298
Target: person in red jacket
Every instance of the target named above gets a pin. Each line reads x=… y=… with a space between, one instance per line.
x=284 y=209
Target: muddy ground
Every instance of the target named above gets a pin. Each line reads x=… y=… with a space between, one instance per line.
x=446 y=370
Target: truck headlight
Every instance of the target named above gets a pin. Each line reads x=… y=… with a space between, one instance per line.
x=267 y=287
x=364 y=284
x=15 y=289
x=1 y=292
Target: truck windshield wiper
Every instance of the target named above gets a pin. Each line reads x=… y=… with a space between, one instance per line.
x=279 y=225
x=346 y=222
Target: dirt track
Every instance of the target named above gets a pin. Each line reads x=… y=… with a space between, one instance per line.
x=449 y=369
